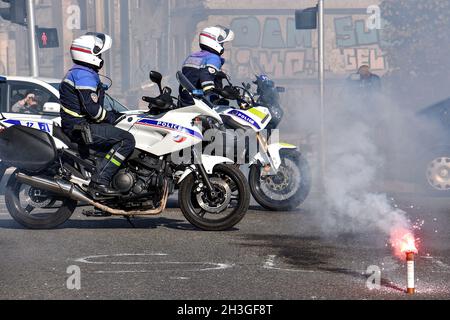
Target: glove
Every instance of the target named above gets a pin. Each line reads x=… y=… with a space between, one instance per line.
x=229 y=92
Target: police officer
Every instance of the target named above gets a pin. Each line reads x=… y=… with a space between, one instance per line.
x=201 y=67
x=82 y=96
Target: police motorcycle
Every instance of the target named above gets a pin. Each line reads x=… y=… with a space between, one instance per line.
x=280 y=176
x=49 y=182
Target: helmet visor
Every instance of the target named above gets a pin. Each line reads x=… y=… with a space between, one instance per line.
x=226 y=35
x=102 y=42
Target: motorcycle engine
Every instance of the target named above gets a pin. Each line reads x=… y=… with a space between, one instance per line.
x=123 y=181
x=137 y=182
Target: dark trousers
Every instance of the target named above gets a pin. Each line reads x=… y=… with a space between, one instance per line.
x=118 y=146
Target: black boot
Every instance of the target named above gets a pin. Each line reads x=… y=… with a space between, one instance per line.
x=102 y=189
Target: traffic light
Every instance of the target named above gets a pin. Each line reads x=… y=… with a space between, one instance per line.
x=16 y=11
x=306 y=19
x=47 y=38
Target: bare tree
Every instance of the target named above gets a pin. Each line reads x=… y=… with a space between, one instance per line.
x=417 y=42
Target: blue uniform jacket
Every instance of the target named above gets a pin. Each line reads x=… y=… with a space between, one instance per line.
x=82 y=97
x=201 y=69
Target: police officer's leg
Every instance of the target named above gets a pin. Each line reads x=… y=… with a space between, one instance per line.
x=118 y=144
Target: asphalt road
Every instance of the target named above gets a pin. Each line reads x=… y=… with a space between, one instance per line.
x=268 y=256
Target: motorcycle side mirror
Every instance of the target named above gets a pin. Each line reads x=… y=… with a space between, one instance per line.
x=51 y=107
x=247 y=86
x=281 y=89
x=156 y=77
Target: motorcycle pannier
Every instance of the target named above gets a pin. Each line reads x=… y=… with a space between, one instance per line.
x=27 y=149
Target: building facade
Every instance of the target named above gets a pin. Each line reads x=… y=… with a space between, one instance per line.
x=158 y=34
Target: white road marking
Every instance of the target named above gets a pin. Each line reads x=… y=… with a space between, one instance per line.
x=269 y=264
x=198 y=266
x=180 y=278
x=87 y=259
x=213 y=267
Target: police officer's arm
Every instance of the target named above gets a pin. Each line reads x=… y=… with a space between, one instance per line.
x=208 y=73
x=207 y=79
x=93 y=99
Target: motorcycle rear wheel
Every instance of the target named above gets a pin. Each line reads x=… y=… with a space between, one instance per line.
x=23 y=202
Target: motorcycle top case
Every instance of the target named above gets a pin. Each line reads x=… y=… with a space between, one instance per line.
x=27 y=149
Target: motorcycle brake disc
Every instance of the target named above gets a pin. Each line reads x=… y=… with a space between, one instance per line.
x=35 y=198
x=225 y=190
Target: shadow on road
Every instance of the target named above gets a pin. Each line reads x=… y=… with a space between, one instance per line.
x=112 y=223
x=115 y=223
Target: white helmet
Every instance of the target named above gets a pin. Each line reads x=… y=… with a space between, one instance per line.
x=88 y=49
x=213 y=38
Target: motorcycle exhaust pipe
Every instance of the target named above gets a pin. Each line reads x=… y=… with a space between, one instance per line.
x=59 y=187
x=68 y=190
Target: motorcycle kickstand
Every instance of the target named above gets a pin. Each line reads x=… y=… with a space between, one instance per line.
x=130 y=222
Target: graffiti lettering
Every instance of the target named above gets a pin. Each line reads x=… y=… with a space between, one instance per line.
x=251 y=33
x=354 y=58
x=349 y=34
x=272 y=45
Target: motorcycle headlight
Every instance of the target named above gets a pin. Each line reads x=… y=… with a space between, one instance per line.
x=247 y=98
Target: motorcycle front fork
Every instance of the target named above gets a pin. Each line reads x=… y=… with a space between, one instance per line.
x=268 y=167
x=202 y=171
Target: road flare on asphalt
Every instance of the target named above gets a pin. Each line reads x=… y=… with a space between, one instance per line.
x=404 y=245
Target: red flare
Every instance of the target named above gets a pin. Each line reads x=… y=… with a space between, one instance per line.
x=403 y=242
x=411 y=289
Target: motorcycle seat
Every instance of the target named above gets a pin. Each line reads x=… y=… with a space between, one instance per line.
x=59 y=134
x=84 y=150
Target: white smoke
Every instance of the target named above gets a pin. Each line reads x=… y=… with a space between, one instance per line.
x=353 y=168
x=359 y=133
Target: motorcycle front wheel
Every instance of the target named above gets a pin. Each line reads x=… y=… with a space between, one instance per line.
x=288 y=189
x=36 y=209
x=222 y=211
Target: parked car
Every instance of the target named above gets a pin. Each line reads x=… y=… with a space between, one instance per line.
x=434 y=159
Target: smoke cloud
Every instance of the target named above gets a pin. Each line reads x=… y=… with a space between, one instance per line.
x=356 y=130
x=371 y=142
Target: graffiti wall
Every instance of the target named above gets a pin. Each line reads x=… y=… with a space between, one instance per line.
x=271 y=44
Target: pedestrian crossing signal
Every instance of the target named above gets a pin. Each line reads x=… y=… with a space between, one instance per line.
x=48 y=38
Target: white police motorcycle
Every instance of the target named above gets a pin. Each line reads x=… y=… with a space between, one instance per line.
x=50 y=181
x=280 y=177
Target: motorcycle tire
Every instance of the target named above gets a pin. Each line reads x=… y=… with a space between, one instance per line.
x=190 y=206
x=35 y=222
x=298 y=197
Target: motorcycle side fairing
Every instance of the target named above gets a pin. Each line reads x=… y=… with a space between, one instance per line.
x=172 y=132
x=272 y=158
x=257 y=118
x=169 y=132
x=209 y=162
